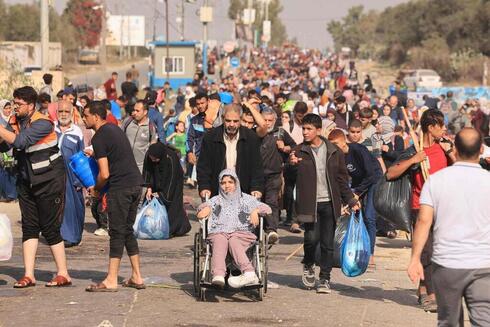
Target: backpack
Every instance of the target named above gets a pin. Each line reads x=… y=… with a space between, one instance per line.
x=151 y=127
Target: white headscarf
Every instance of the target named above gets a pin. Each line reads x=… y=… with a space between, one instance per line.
x=3 y=103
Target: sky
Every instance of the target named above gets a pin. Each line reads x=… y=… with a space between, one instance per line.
x=304 y=19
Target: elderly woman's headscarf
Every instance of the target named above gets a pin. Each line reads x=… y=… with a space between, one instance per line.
x=388 y=127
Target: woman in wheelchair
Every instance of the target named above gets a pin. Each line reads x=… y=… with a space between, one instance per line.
x=233 y=218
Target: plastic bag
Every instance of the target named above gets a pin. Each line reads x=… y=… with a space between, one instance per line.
x=152 y=221
x=392 y=201
x=340 y=231
x=356 y=249
x=6 y=239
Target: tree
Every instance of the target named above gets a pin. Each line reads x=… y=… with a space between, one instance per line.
x=22 y=22
x=86 y=20
x=3 y=25
x=349 y=32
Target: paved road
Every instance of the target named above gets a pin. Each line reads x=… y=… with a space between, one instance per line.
x=382 y=298
x=96 y=75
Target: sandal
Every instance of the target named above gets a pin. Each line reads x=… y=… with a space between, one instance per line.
x=24 y=282
x=130 y=283
x=59 y=281
x=100 y=287
x=295 y=228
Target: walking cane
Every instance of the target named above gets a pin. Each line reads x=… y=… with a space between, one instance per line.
x=418 y=143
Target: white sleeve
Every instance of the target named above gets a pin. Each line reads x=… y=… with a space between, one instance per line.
x=426 y=194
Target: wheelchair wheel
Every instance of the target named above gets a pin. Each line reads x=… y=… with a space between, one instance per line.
x=197 y=264
x=263 y=254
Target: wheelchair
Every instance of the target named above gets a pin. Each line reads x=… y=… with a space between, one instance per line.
x=257 y=254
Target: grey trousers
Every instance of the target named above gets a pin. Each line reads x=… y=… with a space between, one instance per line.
x=451 y=285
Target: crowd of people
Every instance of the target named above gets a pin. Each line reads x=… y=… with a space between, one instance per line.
x=294 y=129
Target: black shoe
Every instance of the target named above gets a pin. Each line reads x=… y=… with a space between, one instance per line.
x=323 y=286
x=70 y=244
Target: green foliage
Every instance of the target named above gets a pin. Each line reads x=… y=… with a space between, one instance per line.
x=22 y=23
x=3 y=25
x=16 y=78
x=420 y=33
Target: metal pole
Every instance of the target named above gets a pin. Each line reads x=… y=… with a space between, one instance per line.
x=167 y=41
x=154 y=19
x=182 y=22
x=250 y=44
x=267 y=17
x=44 y=35
x=129 y=38
x=205 y=45
x=121 y=32
x=103 y=35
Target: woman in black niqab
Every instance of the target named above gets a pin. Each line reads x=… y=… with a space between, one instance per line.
x=163 y=174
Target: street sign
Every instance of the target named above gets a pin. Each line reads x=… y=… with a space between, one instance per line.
x=126 y=30
x=266 y=31
x=248 y=17
x=234 y=62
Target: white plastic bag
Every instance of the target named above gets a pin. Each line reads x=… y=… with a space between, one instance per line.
x=6 y=239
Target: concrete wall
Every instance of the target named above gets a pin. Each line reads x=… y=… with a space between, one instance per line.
x=189 y=61
x=29 y=53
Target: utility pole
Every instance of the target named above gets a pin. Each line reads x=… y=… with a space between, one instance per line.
x=167 y=59
x=266 y=25
x=182 y=19
x=44 y=35
x=206 y=14
x=250 y=7
x=103 y=35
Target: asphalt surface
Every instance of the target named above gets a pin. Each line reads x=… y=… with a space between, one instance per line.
x=95 y=75
x=382 y=298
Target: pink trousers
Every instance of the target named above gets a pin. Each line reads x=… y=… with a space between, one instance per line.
x=237 y=243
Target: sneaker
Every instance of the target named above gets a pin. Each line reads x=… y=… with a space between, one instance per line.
x=243 y=280
x=101 y=232
x=218 y=281
x=323 y=286
x=272 y=237
x=308 y=277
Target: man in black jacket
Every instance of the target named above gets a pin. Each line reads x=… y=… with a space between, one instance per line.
x=321 y=189
x=274 y=146
x=234 y=147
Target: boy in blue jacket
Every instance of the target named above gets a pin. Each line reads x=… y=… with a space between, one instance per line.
x=365 y=172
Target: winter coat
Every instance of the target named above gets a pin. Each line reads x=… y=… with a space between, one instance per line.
x=337 y=181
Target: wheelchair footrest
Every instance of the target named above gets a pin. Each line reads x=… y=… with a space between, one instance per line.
x=244 y=288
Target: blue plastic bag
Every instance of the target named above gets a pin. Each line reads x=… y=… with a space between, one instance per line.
x=152 y=221
x=356 y=249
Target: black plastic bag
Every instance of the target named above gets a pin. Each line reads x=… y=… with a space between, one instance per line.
x=392 y=201
x=338 y=239
x=340 y=231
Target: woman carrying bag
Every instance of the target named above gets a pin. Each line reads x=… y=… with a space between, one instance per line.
x=164 y=177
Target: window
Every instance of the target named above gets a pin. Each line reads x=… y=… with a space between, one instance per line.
x=173 y=65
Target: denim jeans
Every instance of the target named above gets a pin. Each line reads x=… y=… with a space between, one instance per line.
x=370 y=216
x=323 y=231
